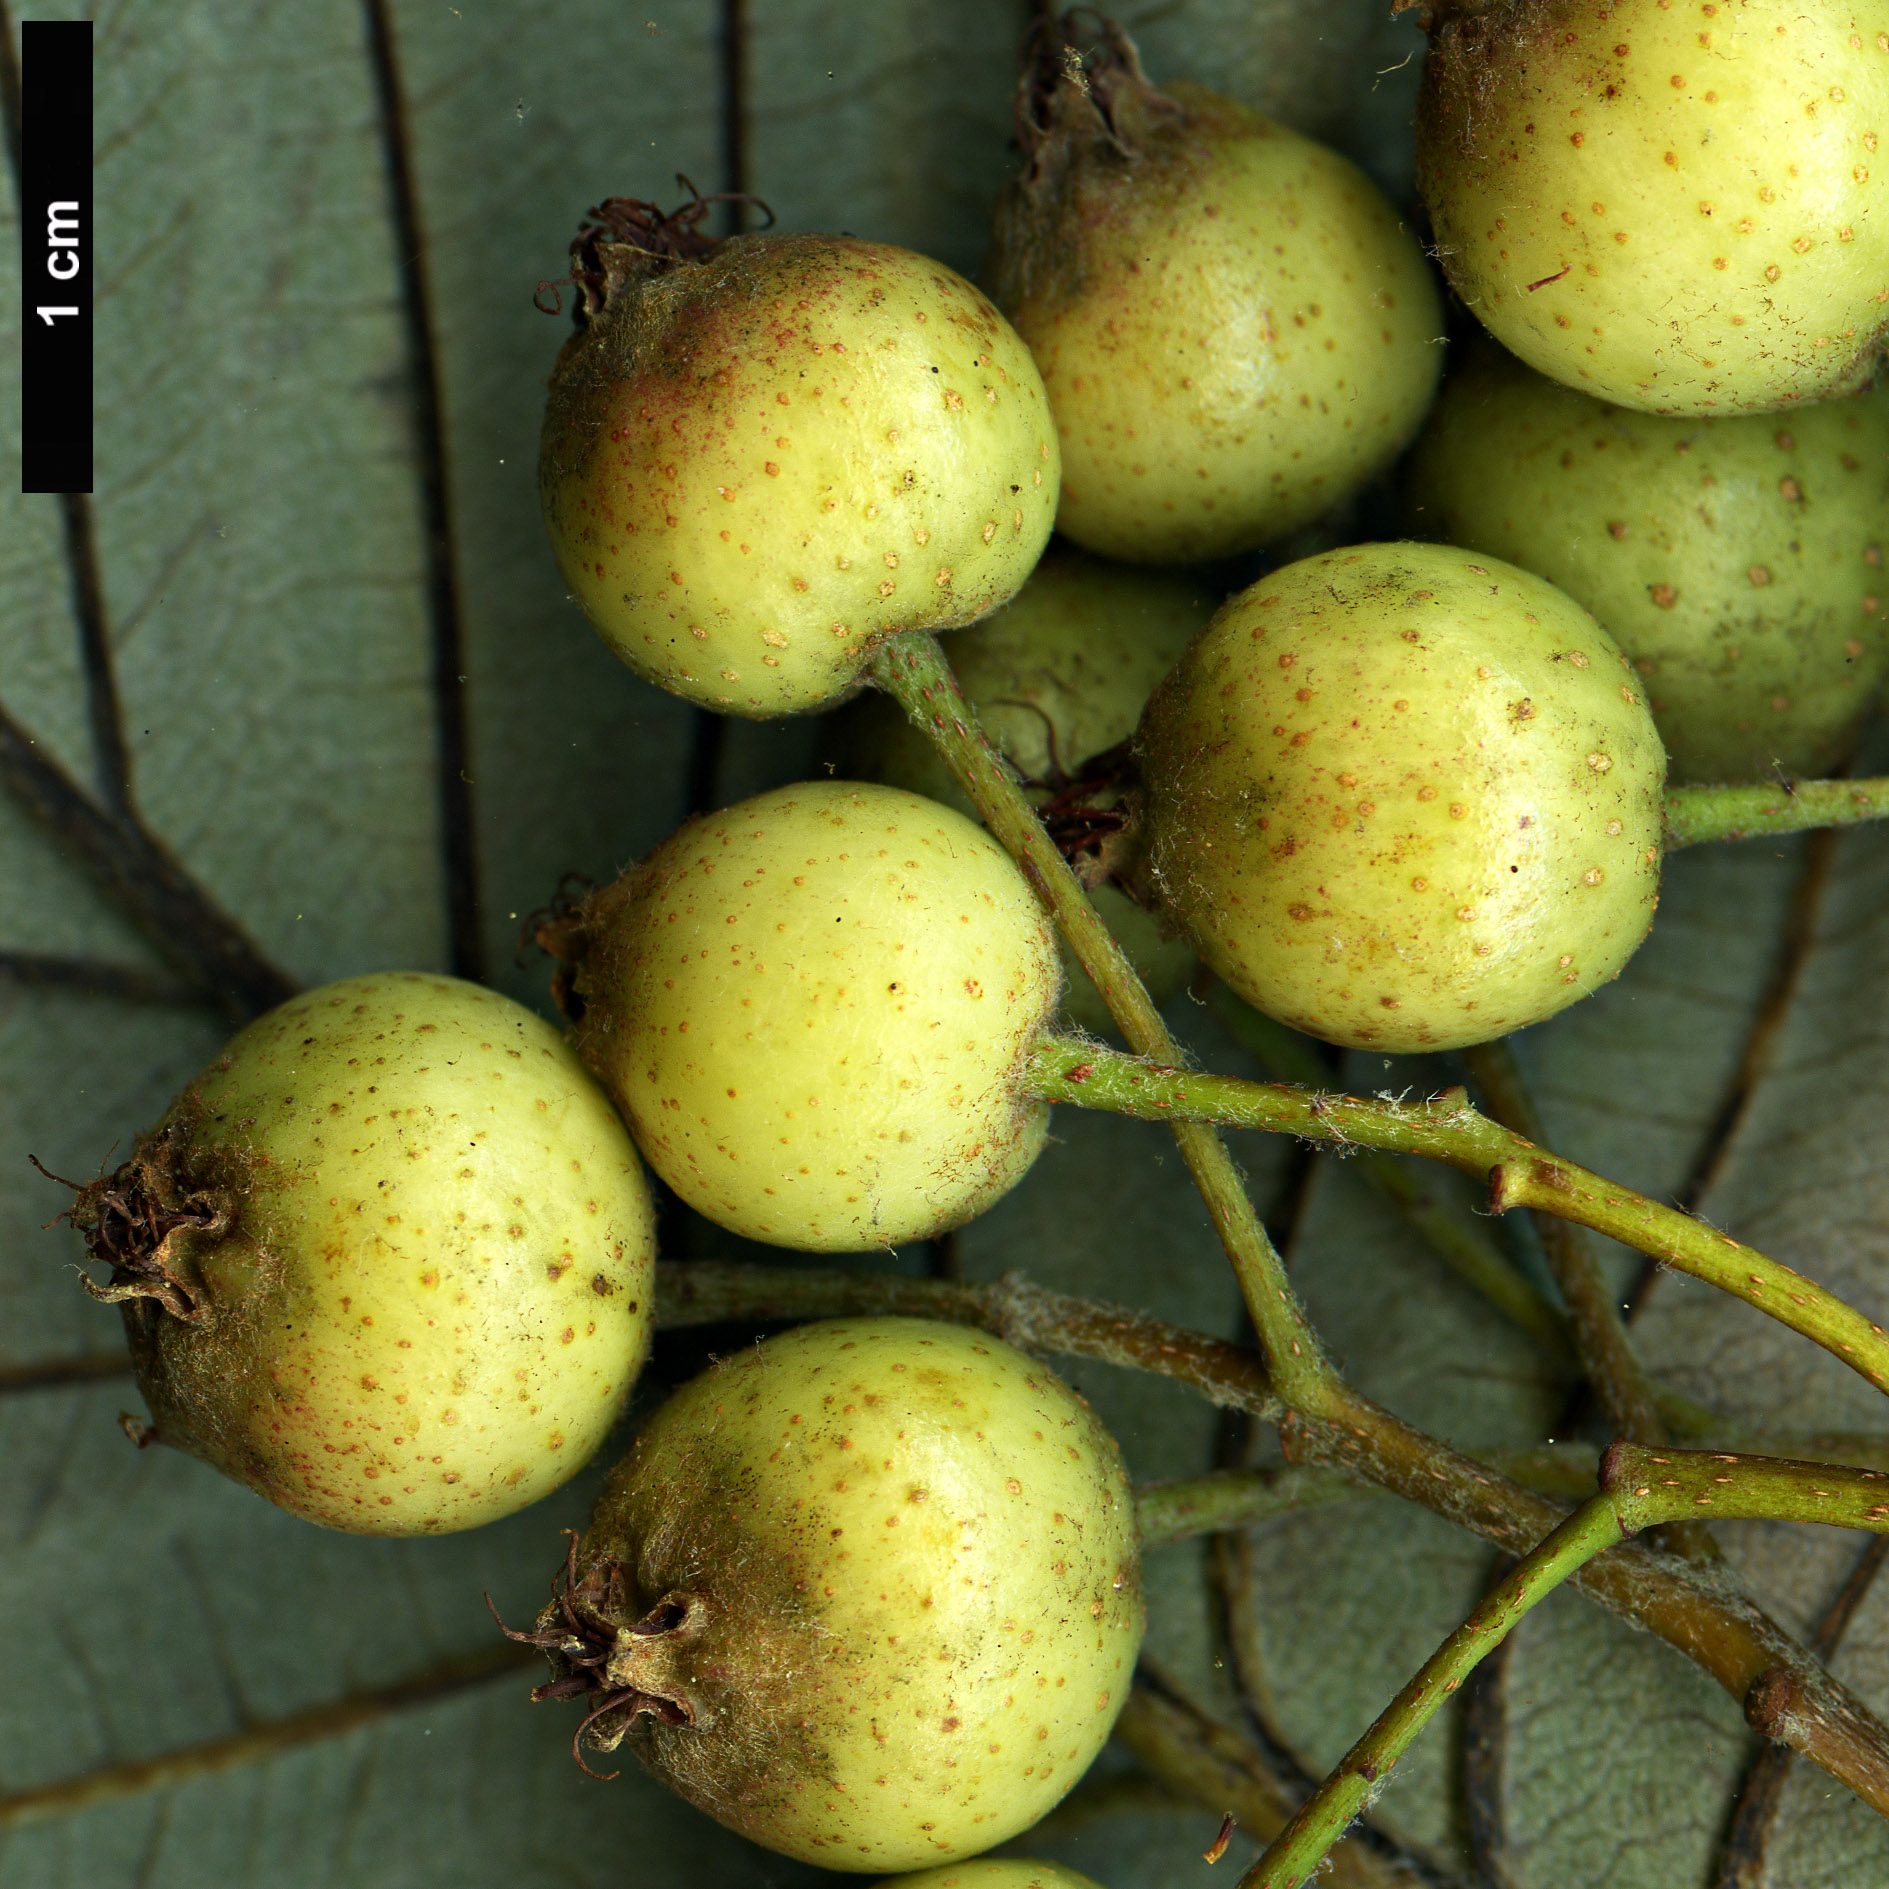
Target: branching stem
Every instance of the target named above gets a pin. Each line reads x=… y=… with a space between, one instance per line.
x=1608 y=1359
x=1639 y=1488
x=1462 y=1244
x=912 y=670
x=1446 y=1128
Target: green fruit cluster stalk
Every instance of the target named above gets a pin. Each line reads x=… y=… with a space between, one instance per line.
x=1518 y=1174
x=1639 y=1488
x=912 y=670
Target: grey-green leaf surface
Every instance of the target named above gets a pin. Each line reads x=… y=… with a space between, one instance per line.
x=332 y=672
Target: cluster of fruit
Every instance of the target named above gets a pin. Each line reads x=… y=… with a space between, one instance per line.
x=870 y=1592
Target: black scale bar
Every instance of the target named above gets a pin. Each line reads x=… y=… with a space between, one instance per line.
x=56 y=240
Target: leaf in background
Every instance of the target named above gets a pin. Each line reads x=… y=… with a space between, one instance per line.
x=309 y=635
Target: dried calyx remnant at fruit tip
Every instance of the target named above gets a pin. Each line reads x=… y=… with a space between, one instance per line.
x=1235 y=330
x=1671 y=204
x=388 y=1260
x=813 y=1009
x=868 y=1593
x=764 y=456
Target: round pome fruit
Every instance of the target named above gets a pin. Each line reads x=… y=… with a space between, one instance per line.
x=1736 y=561
x=814 y=1008
x=760 y=462
x=1058 y=678
x=868 y=1593
x=1404 y=798
x=1235 y=330
x=388 y=1260
x=993 y=1872
x=1666 y=203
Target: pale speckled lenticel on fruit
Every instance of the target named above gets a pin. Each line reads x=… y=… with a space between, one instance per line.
x=425 y=1285
x=757 y=466
x=894 y=1570
x=1675 y=205
x=813 y=1009
x=1403 y=797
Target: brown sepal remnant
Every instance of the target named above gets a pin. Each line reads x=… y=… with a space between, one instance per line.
x=626 y=239
x=1120 y=857
x=1077 y=109
x=1475 y=48
x=136 y=1219
x=601 y=1642
x=1083 y=810
x=559 y=930
x=579 y=933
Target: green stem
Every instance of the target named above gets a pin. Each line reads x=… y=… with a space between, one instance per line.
x=912 y=670
x=1295 y=1853
x=1446 y=1128
x=1222 y=1500
x=1608 y=1360
x=1758 y=811
x=1651 y=1486
x=1225 y=1499
x=1461 y=1244
x=1639 y=1488
x=1286 y=1056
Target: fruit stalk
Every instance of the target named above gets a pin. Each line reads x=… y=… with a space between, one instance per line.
x=1518 y=1173
x=911 y=668
x=1639 y=1488
x=1608 y=1359
x=1294 y=1854
x=1221 y=1770
x=709 y=1292
x=1762 y=809
x=1462 y=1244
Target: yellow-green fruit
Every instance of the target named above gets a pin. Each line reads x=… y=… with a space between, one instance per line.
x=1674 y=205
x=993 y=1872
x=868 y=1593
x=404 y=1276
x=1404 y=797
x=758 y=465
x=1235 y=330
x=1058 y=676
x=813 y=1009
x=1737 y=561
